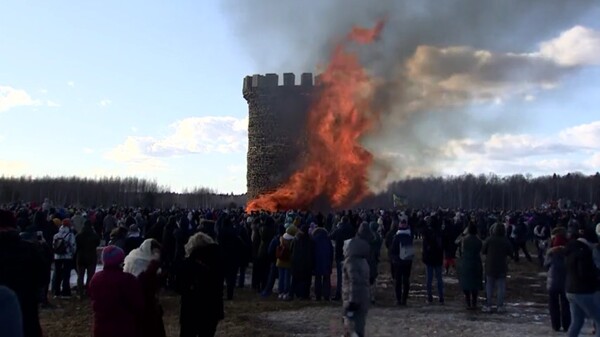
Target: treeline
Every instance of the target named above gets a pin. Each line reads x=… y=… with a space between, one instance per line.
x=491 y=191
x=132 y=192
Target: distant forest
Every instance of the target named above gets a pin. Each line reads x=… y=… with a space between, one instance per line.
x=131 y=192
x=493 y=192
x=466 y=191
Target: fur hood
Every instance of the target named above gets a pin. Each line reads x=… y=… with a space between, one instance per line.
x=196 y=241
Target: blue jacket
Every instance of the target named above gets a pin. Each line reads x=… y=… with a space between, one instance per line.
x=323 y=252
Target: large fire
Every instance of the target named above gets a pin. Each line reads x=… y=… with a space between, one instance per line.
x=336 y=164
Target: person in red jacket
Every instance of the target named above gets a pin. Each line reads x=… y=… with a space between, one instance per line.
x=117 y=298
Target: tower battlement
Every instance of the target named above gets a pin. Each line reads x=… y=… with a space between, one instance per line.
x=272 y=80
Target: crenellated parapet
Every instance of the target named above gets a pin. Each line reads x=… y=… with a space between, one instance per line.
x=269 y=81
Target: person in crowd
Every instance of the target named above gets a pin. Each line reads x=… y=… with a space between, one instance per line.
x=272 y=256
x=389 y=239
x=497 y=249
x=230 y=245
x=156 y=231
x=374 y=257
x=433 y=256
x=402 y=254
x=144 y=263
x=117 y=298
x=323 y=263
x=541 y=235
x=86 y=257
x=22 y=271
x=77 y=220
x=167 y=255
x=558 y=305
x=449 y=235
x=266 y=231
x=109 y=223
x=356 y=288
x=200 y=284
x=133 y=239
x=344 y=231
x=519 y=235
x=470 y=267
x=11 y=319
x=582 y=281
x=245 y=253
x=64 y=247
x=302 y=264
x=284 y=263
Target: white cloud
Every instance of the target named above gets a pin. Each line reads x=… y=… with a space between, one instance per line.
x=134 y=129
x=12 y=98
x=567 y=151
x=577 y=46
x=196 y=135
x=105 y=102
x=585 y=135
x=529 y=98
x=52 y=104
x=87 y=150
x=71 y=83
x=43 y=91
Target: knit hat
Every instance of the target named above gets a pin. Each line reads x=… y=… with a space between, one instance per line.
x=559 y=240
x=7 y=219
x=56 y=222
x=66 y=222
x=291 y=230
x=112 y=256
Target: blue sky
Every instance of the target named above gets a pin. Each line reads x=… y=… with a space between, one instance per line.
x=153 y=89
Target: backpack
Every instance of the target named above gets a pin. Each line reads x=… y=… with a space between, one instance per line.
x=283 y=252
x=59 y=245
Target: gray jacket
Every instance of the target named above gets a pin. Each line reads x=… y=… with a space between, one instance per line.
x=557 y=269
x=356 y=286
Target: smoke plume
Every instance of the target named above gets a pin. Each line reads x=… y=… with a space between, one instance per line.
x=438 y=63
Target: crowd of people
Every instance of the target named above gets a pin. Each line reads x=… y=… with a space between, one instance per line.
x=205 y=254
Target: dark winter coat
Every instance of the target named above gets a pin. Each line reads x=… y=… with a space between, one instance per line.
x=497 y=249
x=344 y=231
x=117 y=304
x=200 y=284
x=581 y=270
x=22 y=270
x=87 y=241
x=323 y=252
x=433 y=248
x=355 y=279
x=450 y=233
x=302 y=254
x=376 y=244
x=156 y=231
x=168 y=243
x=470 y=268
x=11 y=320
x=152 y=316
x=230 y=244
x=557 y=269
x=403 y=238
x=267 y=232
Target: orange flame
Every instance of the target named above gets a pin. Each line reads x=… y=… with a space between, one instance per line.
x=336 y=163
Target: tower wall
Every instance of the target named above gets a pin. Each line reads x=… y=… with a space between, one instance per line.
x=276 y=127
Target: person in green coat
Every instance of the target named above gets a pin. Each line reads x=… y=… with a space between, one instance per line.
x=470 y=267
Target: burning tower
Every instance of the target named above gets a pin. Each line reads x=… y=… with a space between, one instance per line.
x=276 y=128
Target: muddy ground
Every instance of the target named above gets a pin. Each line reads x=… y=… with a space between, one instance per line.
x=249 y=315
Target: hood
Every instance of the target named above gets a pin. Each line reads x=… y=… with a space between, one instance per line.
x=288 y=237
x=365 y=233
x=320 y=233
x=356 y=248
x=498 y=230
x=139 y=259
x=374 y=226
x=197 y=240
